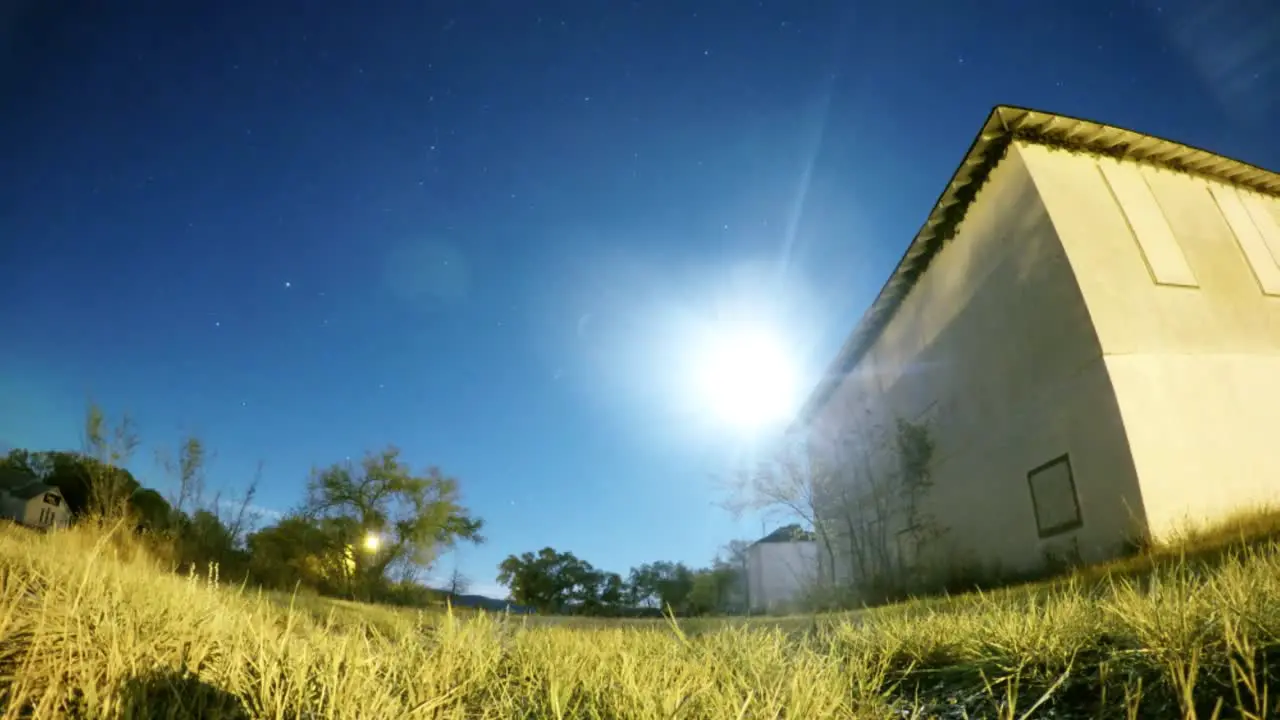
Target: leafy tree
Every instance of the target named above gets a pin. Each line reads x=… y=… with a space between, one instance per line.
x=25 y=464
x=642 y=586
x=613 y=592
x=676 y=586
x=585 y=593
x=713 y=590
x=74 y=474
x=202 y=539
x=665 y=584
x=704 y=597
x=152 y=511
x=550 y=581
x=301 y=550
x=409 y=517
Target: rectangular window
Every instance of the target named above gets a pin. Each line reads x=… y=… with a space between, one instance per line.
x=1255 y=230
x=52 y=499
x=1053 y=497
x=1148 y=225
x=1265 y=221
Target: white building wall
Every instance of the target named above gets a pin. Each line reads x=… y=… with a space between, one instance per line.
x=37 y=513
x=778 y=573
x=995 y=353
x=1181 y=276
x=1095 y=353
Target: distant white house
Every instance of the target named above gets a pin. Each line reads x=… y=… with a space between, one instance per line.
x=781 y=566
x=34 y=504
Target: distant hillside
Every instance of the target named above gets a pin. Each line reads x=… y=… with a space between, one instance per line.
x=480 y=602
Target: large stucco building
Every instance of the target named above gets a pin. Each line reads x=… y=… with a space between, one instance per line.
x=1088 y=325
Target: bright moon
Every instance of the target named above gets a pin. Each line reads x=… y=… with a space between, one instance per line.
x=746 y=379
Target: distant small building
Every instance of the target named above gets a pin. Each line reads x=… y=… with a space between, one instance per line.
x=33 y=503
x=781 y=566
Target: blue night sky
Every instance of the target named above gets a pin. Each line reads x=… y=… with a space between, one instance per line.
x=497 y=234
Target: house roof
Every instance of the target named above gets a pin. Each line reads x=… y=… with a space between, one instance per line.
x=786 y=534
x=1005 y=125
x=11 y=477
x=30 y=490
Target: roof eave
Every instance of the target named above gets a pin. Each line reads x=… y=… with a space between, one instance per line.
x=1005 y=125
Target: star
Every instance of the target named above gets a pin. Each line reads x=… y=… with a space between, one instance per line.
x=288 y=284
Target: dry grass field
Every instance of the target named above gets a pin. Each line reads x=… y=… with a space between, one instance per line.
x=91 y=626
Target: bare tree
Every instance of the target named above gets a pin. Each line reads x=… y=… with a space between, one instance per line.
x=736 y=556
x=856 y=508
x=860 y=484
x=458 y=583
x=788 y=485
x=110 y=447
x=878 y=481
x=240 y=522
x=189 y=472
